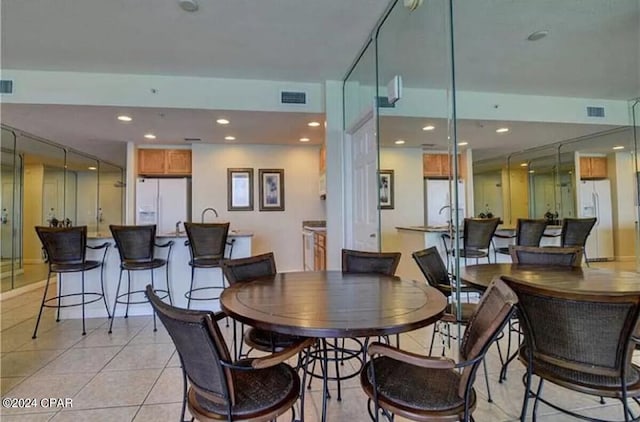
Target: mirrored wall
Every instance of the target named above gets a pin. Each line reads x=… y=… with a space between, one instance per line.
x=44 y=183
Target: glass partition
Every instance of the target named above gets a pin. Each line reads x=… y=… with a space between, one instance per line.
x=110 y=196
x=11 y=218
x=82 y=191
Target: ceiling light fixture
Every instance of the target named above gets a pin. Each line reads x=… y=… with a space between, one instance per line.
x=428 y=128
x=524 y=165
x=463 y=143
x=304 y=139
x=188 y=5
x=538 y=35
x=313 y=124
x=531 y=171
x=124 y=118
x=222 y=121
x=92 y=168
x=399 y=142
x=150 y=136
x=502 y=130
x=229 y=138
x=618 y=147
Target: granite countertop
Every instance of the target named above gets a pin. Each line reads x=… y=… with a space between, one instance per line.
x=425 y=229
x=173 y=235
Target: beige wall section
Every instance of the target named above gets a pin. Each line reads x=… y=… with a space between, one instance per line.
x=621 y=173
x=515 y=185
x=280 y=232
x=33 y=185
x=408 y=197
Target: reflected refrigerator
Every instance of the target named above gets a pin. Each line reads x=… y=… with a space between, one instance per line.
x=163 y=202
x=595 y=201
x=438 y=204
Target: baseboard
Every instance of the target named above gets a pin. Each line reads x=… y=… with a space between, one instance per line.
x=24 y=289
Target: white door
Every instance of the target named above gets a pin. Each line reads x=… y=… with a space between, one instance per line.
x=364 y=159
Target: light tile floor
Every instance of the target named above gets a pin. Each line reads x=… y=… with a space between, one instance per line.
x=134 y=374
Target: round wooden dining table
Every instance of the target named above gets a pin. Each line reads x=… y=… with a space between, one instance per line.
x=329 y=304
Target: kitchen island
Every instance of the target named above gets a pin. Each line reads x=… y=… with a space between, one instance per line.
x=179 y=275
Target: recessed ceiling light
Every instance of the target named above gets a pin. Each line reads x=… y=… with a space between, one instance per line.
x=399 y=142
x=538 y=35
x=463 y=143
x=222 y=121
x=313 y=124
x=502 y=130
x=304 y=139
x=92 y=168
x=124 y=118
x=524 y=165
x=150 y=136
x=188 y=5
x=429 y=127
x=229 y=138
x=532 y=171
x=618 y=147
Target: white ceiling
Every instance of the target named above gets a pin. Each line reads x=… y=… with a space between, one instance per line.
x=592 y=51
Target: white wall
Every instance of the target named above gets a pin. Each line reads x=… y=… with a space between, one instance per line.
x=408 y=194
x=280 y=232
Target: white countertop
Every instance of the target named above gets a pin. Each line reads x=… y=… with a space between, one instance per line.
x=173 y=235
x=425 y=229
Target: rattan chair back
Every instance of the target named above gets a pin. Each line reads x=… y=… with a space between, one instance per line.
x=247 y=269
x=63 y=245
x=478 y=232
x=433 y=268
x=529 y=232
x=566 y=257
x=384 y=263
x=201 y=348
x=207 y=241
x=134 y=243
x=575 y=231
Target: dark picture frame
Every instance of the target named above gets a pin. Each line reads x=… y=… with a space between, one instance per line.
x=386 y=189
x=271 y=189
x=240 y=189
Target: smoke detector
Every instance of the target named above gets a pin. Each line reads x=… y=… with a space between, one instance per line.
x=188 y=5
x=412 y=4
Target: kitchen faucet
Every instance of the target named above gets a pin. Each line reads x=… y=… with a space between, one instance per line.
x=204 y=211
x=443 y=208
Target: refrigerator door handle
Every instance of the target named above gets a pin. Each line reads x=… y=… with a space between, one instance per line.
x=159 y=217
x=596 y=201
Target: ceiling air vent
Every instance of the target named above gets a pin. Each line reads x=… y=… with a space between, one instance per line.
x=383 y=102
x=6 y=86
x=192 y=139
x=595 y=111
x=292 y=97
x=428 y=146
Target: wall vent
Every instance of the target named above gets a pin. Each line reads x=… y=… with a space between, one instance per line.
x=293 y=97
x=192 y=139
x=428 y=146
x=6 y=86
x=595 y=111
x=383 y=102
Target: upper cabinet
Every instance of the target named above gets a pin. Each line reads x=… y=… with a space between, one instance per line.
x=437 y=166
x=593 y=167
x=164 y=162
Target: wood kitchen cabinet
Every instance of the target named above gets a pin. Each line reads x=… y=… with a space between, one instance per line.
x=593 y=167
x=437 y=166
x=320 y=251
x=164 y=162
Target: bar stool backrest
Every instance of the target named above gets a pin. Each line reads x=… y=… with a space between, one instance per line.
x=529 y=232
x=207 y=240
x=478 y=232
x=134 y=243
x=64 y=245
x=576 y=230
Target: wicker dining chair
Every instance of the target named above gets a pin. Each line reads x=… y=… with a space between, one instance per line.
x=550 y=255
x=384 y=263
x=575 y=232
x=207 y=243
x=476 y=239
x=257 y=389
x=243 y=270
x=425 y=388
x=578 y=340
x=528 y=233
x=66 y=249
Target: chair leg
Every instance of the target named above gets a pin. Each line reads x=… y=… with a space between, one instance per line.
x=223 y=287
x=586 y=259
x=126 y=311
x=486 y=380
x=44 y=298
x=115 y=303
x=153 y=286
x=193 y=273
x=59 y=297
x=433 y=337
x=84 y=331
x=166 y=274
x=104 y=296
x=536 y=401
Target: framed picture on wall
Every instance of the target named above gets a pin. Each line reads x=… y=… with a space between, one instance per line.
x=271 y=189
x=385 y=186
x=240 y=189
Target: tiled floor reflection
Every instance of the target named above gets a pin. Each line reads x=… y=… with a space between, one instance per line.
x=134 y=374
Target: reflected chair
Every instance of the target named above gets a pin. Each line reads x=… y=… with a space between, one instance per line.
x=66 y=249
x=207 y=243
x=243 y=270
x=222 y=389
x=528 y=233
x=476 y=238
x=550 y=255
x=575 y=232
x=425 y=388
x=578 y=340
x=136 y=246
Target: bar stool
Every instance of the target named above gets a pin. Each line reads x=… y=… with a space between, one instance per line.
x=136 y=248
x=207 y=243
x=66 y=249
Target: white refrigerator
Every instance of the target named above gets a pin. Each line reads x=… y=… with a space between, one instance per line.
x=163 y=202
x=595 y=201
x=438 y=208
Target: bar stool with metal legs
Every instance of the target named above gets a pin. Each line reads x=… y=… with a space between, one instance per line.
x=136 y=245
x=207 y=243
x=66 y=249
